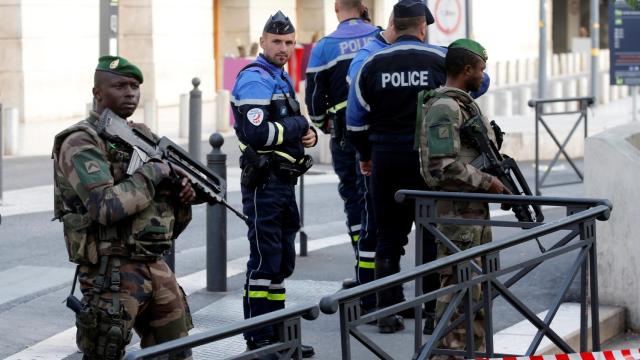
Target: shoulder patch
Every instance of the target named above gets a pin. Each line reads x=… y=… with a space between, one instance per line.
x=255 y=116
x=92 y=170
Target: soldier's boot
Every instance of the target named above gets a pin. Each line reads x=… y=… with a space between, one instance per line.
x=430 y=283
x=387 y=297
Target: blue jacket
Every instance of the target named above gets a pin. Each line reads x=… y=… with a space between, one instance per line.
x=327 y=88
x=378 y=42
x=264 y=119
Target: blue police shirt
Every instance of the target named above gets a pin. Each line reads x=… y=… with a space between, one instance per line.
x=378 y=42
x=263 y=118
x=328 y=65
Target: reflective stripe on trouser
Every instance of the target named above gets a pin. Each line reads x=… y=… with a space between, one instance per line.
x=273 y=223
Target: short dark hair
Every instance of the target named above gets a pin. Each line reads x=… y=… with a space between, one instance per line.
x=405 y=24
x=350 y=4
x=457 y=59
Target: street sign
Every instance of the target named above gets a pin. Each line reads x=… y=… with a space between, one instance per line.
x=451 y=21
x=624 y=27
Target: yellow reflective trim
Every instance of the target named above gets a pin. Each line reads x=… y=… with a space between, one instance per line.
x=276 y=297
x=256 y=294
x=355 y=237
x=366 y=264
x=280 y=133
x=285 y=155
x=338 y=107
x=242 y=146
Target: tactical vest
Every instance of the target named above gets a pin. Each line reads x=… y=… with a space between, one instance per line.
x=469 y=109
x=145 y=236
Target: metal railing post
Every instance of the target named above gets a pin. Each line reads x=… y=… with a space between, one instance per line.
x=217 y=222
x=195 y=119
x=303 y=234
x=1 y=152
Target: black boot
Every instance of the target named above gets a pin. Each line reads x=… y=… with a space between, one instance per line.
x=388 y=297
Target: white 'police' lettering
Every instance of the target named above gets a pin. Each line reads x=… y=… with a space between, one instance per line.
x=351 y=46
x=405 y=79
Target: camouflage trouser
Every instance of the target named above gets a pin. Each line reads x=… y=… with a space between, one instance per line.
x=151 y=302
x=464 y=237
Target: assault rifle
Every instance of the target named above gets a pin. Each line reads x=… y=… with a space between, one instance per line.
x=208 y=185
x=499 y=165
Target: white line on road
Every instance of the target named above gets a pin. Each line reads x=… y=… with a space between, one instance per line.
x=62 y=344
x=40 y=198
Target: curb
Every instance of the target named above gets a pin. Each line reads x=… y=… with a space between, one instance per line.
x=516 y=338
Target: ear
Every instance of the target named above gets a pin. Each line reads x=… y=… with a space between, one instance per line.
x=97 y=94
x=262 y=40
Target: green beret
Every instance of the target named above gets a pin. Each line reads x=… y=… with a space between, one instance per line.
x=119 y=66
x=472 y=46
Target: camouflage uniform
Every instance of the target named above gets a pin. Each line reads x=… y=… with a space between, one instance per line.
x=445 y=164
x=116 y=229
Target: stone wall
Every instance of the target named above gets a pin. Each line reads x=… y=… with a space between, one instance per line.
x=612 y=170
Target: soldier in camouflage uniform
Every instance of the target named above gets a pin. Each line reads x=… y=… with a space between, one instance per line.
x=445 y=159
x=117 y=227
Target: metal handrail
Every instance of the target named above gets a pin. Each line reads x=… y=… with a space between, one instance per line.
x=308 y=312
x=329 y=304
x=580 y=220
x=589 y=99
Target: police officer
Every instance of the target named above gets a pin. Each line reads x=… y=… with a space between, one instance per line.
x=272 y=135
x=117 y=227
x=445 y=162
x=326 y=97
x=381 y=123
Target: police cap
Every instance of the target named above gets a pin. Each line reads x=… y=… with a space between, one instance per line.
x=279 y=24
x=472 y=46
x=412 y=8
x=119 y=66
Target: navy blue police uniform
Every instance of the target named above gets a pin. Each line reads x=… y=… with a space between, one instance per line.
x=326 y=98
x=381 y=124
x=269 y=127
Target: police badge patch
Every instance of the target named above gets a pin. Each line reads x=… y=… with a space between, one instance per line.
x=255 y=116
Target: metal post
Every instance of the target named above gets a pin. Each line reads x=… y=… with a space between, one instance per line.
x=1 y=152
x=217 y=222
x=595 y=46
x=537 y=149
x=469 y=19
x=303 y=234
x=542 y=53
x=108 y=27
x=195 y=119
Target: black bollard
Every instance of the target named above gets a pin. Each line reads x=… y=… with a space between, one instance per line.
x=217 y=222
x=195 y=119
x=303 y=234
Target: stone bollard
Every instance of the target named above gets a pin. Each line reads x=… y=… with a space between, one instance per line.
x=195 y=119
x=11 y=118
x=488 y=104
x=183 y=131
x=223 y=109
x=504 y=103
x=151 y=114
x=556 y=93
x=571 y=90
x=217 y=221
x=603 y=91
x=524 y=95
x=583 y=86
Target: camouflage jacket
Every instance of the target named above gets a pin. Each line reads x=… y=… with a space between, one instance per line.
x=444 y=156
x=104 y=211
